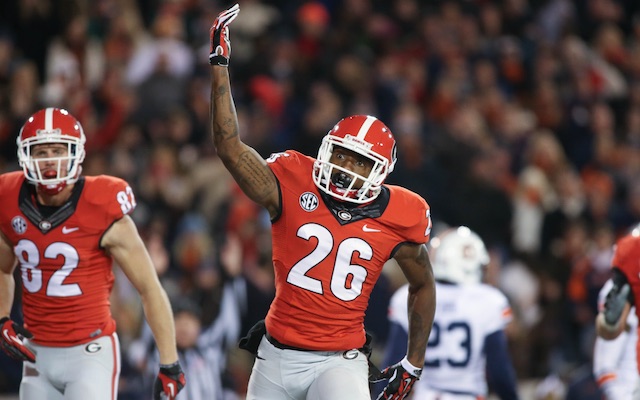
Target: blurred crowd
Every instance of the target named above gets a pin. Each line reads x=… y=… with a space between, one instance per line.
x=517 y=118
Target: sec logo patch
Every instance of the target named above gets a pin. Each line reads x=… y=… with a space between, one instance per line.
x=308 y=201
x=19 y=225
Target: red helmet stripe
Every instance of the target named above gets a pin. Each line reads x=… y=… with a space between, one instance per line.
x=362 y=133
x=48 y=119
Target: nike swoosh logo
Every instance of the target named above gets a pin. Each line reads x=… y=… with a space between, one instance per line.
x=66 y=230
x=367 y=229
x=10 y=338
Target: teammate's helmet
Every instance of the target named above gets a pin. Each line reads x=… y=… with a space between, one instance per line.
x=459 y=256
x=365 y=135
x=51 y=126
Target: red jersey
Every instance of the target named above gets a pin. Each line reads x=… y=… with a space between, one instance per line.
x=66 y=275
x=328 y=255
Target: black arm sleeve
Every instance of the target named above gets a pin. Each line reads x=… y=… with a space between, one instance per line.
x=501 y=377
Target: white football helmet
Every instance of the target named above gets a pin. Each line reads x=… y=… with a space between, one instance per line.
x=365 y=135
x=49 y=126
x=459 y=256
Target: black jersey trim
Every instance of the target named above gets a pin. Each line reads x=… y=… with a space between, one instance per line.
x=345 y=212
x=31 y=211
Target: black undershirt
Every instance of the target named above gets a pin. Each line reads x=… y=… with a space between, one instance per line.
x=46 y=211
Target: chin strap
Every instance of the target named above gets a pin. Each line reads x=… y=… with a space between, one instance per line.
x=53 y=189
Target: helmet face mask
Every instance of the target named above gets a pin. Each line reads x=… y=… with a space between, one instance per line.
x=459 y=256
x=368 y=137
x=46 y=129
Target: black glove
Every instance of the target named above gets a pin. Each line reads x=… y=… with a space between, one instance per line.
x=614 y=304
x=220 y=49
x=11 y=342
x=251 y=342
x=169 y=382
x=401 y=380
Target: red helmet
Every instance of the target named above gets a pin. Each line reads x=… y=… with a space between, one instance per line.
x=49 y=126
x=365 y=135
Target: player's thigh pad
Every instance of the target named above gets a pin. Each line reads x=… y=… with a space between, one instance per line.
x=87 y=371
x=267 y=376
x=97 y=366
x=345 y=377
x=35 y=386
x=636 y=392
x=288 y=374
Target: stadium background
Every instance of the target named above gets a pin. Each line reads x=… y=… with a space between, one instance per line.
x=518 y=118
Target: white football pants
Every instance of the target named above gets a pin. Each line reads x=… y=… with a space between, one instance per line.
x=87 y=371
x=308 y=375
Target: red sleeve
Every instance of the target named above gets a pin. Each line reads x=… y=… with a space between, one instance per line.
x=113 y=195
x=411 y=214
x=287 y=163
x=420 y=231
x=626 y=254
x=625 y=259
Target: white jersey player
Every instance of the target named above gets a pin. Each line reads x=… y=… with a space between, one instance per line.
x=614 y=361
x=467 y=345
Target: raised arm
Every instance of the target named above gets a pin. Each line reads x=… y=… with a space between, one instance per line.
x=248 y=168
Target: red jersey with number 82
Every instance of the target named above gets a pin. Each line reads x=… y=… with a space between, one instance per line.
x=66 y=276
x=327 y=262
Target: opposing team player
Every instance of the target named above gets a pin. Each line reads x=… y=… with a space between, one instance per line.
x=334 y=225
x=623 y=297
x=614 y=361
x=467 y=347
x=63 y=231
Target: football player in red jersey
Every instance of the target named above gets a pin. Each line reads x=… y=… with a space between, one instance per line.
x=625 y=292
x=64 y=230
x=334 y=225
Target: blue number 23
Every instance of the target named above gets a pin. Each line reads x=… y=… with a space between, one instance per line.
x=464 y=343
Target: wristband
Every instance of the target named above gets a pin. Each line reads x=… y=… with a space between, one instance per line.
x=410 y=368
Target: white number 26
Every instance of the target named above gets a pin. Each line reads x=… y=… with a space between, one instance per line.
x=346 y=278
